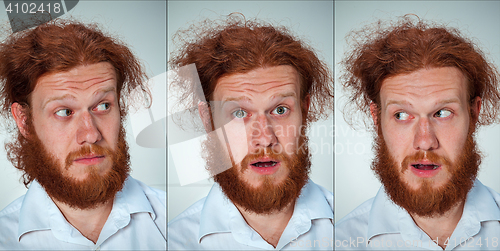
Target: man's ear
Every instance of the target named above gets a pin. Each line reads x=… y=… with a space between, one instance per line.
x=305 y=106
x=20 y=114
x=206 y=116
x=374 y=110
x=475 y=108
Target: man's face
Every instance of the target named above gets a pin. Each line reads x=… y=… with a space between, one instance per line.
x=263 y=119
x=427 y=133
x=425 y=111
x=71 y=140
x=74 y=109
x=266 y=101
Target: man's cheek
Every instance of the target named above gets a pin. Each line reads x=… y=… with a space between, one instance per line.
x=234 y=135
x=289 y=145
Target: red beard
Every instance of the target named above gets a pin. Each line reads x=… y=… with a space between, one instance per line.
x=30 y=156
x=427 y=201
x=269 y=197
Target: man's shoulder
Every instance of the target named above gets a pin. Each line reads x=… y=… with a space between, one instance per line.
x=157 y=198
x=356 y=222
x=13 y=208
x=184 y=229
x=494 y=194
x=327 y=194
x=189 y=217
x=9 y=220
x=152 y=193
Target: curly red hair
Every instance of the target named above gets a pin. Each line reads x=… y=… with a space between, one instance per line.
x=239 y=46
x=60 y=46
x=403 y=47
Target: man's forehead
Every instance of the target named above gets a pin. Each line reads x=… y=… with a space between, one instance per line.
x=94 y=79
x=80 y=77
x=444 y=82
x=277 y=81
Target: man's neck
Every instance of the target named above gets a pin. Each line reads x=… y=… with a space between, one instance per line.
x=269 y=226
x=88 y=221
x=440 y=228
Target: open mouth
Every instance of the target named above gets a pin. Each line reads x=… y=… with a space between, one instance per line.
x=264 y=164
x=425 y=167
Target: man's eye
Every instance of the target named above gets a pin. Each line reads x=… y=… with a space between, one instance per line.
x=239 y=114
x=443 y=113
x=102 y=107
x=64 y=112
x=402 y=116
x=280 y=110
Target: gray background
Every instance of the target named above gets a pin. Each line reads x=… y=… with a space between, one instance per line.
x=140 y=24
x=355 y=182
x=312 y=20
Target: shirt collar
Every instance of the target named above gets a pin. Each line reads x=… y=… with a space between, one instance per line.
x=314 y=201
x=133 y=199
x=35 y=209
x=220 y=215
x=383 y=214
x=214 y=214
x=386 y=217
x=39 y=212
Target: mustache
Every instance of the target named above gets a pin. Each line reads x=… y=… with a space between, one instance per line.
x=427 y=155
x=87 y=150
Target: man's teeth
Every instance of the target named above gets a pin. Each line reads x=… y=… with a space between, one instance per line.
x=425 y=167
x=265 y=164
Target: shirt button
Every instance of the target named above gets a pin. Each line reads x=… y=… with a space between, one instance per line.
x=98 y=248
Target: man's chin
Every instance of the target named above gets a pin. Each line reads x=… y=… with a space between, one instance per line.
x=81 y=173
x=263 y=194
x=263 y=181
x=418 y=184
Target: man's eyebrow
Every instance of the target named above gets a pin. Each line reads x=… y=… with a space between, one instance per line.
x=69 y=96
x=280 y=95
x=65 y=96
x=235 y=99
x=448 y=101
x=404 y=102
x=105 y=90
x=398 y=102
x=285 y=95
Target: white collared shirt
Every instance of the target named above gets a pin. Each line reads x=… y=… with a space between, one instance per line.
x=380 y=224
x=136 y=222
x=214 y=223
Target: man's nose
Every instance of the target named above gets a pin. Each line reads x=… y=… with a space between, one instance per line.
x=87 y=131
x=425 y=137
x=262 y=133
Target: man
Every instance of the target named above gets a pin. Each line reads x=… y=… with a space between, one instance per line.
x=427 y=90
x=66 y=85
x=263 y=88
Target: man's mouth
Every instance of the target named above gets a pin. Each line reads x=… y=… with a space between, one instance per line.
x=90 y=159
x=264 y=164
x=425 y=166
